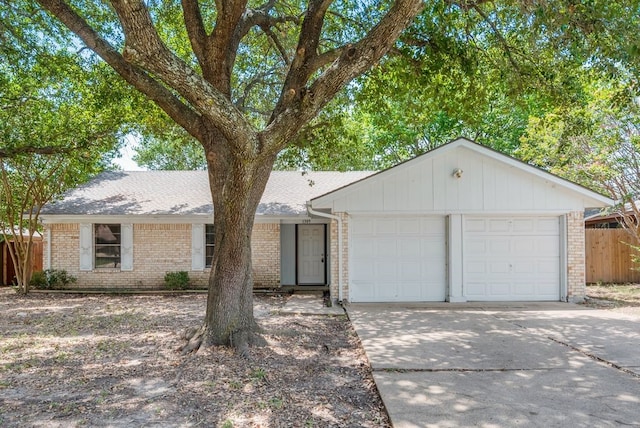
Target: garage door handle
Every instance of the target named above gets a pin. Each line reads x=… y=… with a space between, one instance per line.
x=322 y=258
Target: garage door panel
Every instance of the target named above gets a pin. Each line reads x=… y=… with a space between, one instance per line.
x=549 y=225
x=497 y=226
x=473 y=246
x=386 y=227
x=411 y=271
x=524 y=226
x=411 y=290
x=475 y=225
x=367 y=269
x=524 y=246
x=409 y=247
x=548 y=246
x=498 y=268
x=511 y=258
x=386 y=271
x=363 y=247
x=499 y=246
x=362 y=228
x=406 y=255
x=524 y=267
x=408 y=227
x=432 y=226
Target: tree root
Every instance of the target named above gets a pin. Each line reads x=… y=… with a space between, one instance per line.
x=194 y=338
x=240 y=340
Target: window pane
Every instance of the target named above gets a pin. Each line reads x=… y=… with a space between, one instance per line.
x=209 y=237
x=107 y=245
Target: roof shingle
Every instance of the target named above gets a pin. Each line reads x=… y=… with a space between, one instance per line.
x=187 y=192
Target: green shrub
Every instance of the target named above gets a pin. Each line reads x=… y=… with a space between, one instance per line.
x=176 y=280
x=52 y=279
x=39 y=281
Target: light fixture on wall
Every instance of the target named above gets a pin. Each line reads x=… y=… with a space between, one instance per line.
x=457 y=173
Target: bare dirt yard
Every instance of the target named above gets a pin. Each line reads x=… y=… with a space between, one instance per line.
x=102 y=360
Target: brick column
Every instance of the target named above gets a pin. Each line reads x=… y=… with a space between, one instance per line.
x=335 y=264
x=576 y=287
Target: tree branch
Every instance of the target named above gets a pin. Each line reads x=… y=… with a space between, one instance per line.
x=300 y=70
x=144 y=47
x=304 y=104
x=137 y=77
x=195 y=28
x=498 y=34
x=35 y=150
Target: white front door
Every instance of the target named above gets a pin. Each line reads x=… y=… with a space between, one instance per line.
x=311 y=254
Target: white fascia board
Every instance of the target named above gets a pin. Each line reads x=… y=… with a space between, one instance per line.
x=129 y=218
x=156 y=219
x=475 y=213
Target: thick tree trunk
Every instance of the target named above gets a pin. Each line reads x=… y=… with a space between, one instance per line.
x=237 y=185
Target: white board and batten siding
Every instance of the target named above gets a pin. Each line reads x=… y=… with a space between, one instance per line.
x=490 y=230
x=427 y=185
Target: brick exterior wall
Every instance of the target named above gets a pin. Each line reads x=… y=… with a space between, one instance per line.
x=265 y=255
x=157 y=249
x=576 y=277
x=335 y=274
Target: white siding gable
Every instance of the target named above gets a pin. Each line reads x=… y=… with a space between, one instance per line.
x=490 y=182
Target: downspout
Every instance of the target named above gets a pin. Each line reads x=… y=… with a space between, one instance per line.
x=312 y=212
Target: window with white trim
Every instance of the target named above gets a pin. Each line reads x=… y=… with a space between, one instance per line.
x=107 y=245
x=209 y=237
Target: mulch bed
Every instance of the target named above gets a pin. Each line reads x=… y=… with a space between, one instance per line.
x=109 y=360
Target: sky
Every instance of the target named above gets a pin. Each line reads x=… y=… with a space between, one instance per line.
x=125 y=160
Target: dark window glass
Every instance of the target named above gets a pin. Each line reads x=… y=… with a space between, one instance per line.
x=209 y=236
x=107 y=245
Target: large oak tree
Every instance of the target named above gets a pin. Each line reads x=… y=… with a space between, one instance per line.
x=242 y=115
x=243 y=78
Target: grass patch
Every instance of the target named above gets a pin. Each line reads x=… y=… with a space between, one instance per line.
x=615 y=294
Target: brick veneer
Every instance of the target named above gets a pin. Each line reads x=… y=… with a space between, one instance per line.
x=265 y=254
x=576 y=287
x=157 y=249
x=334 y=289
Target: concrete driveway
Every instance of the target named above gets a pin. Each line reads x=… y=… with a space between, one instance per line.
x=503 y=365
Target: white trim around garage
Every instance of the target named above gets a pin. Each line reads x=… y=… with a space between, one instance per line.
x=457 y=258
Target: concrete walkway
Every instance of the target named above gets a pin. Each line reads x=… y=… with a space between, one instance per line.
x=309 y=304
x=503 y=365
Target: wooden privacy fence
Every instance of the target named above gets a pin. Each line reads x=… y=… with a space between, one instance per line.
x=608 y=256
x=7 y=271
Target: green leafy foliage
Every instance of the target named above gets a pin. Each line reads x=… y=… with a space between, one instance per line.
x=177 y=280
x=62 y=117
x=52 y=279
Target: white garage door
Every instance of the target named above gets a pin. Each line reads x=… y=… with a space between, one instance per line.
x=511 y=259
x=397 y=259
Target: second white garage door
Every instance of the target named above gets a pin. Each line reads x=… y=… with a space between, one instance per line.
x=397 y=259
x=511 y=258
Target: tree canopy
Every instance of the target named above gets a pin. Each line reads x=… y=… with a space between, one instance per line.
x=62 y=116
x=296 y=83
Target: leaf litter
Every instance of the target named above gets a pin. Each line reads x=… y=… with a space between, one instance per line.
x=111 y=361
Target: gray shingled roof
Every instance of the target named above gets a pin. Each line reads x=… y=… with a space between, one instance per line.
x=187 y=192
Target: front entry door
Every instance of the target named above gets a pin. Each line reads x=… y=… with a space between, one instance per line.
x=311 y=254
